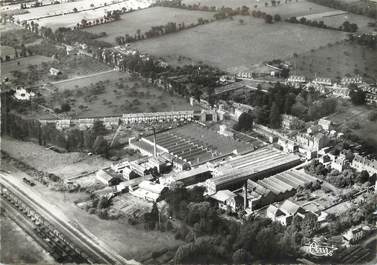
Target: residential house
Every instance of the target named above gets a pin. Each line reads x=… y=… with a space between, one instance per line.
x=312 y=142
x=23 y=95
x=355 y=234
x=325 y=124
x=55 y=72
x=356 y=80
x=227 y=200
x=340 y=91
x=340 y=163
x=361 y=163
x=291 y=122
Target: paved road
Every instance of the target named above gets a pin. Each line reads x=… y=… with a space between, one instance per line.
x=83 y=239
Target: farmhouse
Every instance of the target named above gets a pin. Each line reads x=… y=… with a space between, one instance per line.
x=255 y=165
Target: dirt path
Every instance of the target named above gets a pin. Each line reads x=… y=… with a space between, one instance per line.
x=82 y=77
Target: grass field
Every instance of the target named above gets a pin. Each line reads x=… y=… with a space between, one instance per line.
x=293 y=8
x=17 y=247
x=120 y=94
x=336 y=20
x=234 y=47
x=22 y=64
x=337 y=61
x=145 y=19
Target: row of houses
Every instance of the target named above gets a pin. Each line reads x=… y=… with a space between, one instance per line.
x=114 y=121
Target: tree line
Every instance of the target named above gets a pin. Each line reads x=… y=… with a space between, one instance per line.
x=346 y=26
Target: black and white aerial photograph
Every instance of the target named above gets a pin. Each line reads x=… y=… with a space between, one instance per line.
x=188 y=132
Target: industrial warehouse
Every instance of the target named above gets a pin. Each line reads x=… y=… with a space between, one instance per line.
x=191 y=143
x=255 y=165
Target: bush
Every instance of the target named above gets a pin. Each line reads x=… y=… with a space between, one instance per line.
x=372 y=116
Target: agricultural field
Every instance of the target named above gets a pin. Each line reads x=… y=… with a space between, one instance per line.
x=23 y=249
x=336 y=61
x=285 y=10
x=62 y=15
x=113 y=93
x=236 y=47
x=145 y=19
x=67 y=7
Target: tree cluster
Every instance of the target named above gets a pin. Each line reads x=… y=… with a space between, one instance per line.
x=346 y=26
x=365 y=39
x=212 y=238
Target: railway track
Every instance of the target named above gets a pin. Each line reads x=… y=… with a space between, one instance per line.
x=65 y=242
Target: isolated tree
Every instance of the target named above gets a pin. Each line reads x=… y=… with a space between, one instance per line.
x=358 y=97
x=245 y=122
x=277 y=18
x=268 y=19
x=275 y=118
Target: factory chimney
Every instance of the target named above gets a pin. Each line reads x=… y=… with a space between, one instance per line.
x=245 y=195
x=154 y=144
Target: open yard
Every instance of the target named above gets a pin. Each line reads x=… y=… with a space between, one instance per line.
x=336 y=61
x=113 y=93
x=234 y=47
x=356 y=119
x=62 y=164
x=147 y=18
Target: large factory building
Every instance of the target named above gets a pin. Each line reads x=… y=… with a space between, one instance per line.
x=256 y=165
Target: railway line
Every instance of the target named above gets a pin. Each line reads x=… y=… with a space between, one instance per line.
x=63 y=241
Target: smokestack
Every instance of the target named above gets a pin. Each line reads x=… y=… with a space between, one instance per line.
x=245 y=195
x=154 y=145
